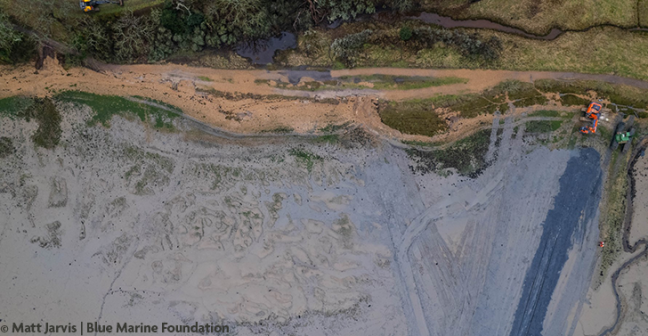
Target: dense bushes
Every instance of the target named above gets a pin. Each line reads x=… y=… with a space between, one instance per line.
x=196 y=24
x=192 y=25
x=15 y=47
x=346 y=48
x=470 y=45
x=405 y=33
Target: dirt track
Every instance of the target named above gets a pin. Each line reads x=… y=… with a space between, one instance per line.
x=189 y=88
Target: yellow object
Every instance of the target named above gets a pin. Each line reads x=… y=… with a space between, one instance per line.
x=87 y=9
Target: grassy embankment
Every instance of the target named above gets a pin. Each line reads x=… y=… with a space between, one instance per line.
x=377 y=82
x=45 y=111
x=539 y=17
x=613 y=211
x=467 y=156
x=106 y=106
x=599 y=50
x=421 y=116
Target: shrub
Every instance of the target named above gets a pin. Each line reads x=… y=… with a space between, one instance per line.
x=469 y=45
x=405 y=33
x=170 y=19
x=15 y=47
x=133 y=36
x=238 y=19
x=346 y=48
x=342 y=9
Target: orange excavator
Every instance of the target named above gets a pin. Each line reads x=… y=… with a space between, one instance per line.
x=592 y=113
x=92 y=5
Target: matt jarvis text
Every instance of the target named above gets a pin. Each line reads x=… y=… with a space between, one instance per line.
x=126 y=328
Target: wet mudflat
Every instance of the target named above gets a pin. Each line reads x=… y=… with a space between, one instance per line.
x=289 y=236
x=575 y=204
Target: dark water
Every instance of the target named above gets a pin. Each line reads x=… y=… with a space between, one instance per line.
x=579 y=195
x=262 y=51
x=294 y=76
x=448 y=22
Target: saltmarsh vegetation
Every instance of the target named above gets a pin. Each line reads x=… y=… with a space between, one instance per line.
x=425 y=116
x=467 y=156
x=377 y=82
x=42 y=110
x=613 y=211
x=616 y=50
x=305 y=157
x=45 y=111
x=419 y=116
x=540 y=17
x=106 y=106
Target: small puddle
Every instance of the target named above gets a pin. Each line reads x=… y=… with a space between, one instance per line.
x=448 y=22
x=262 y=51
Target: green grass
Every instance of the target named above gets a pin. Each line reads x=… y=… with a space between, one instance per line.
x=546 y=113
x=412 y=117
x=417 y=116
x=571 y=100
x=206 y=79
x=15 y=106
x=542 y=126
x=329 y=138
x=107 y=106
x=642 y=11
x=167 y=106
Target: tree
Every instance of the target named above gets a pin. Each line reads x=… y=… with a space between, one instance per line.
x=238 y=19
x=344 y=9
x=15 y=47
x=132 y=35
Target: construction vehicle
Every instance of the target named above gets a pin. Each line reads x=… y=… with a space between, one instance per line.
x=92 y=5
x=623 y=134
x=592 y=114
